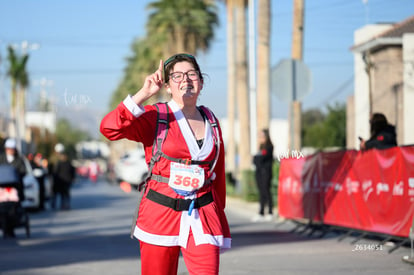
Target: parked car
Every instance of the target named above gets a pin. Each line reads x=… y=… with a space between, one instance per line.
x=131 y=167
x=31 y=188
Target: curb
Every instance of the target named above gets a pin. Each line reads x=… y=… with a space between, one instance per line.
x=245 y=208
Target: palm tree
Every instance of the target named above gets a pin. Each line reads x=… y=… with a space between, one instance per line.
x=173 y=26
x=182 y=25
x=231 y=90
x=242 y=85
x=145 y=54
x=19 y=82
x=263 y=65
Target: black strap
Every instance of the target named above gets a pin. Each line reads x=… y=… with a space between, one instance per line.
x=179 y=204
x=186 y=161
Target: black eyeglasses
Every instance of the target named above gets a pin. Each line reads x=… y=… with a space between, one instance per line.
x=177 y=56
x=179 y=76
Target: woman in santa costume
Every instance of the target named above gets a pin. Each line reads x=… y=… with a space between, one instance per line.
x=182 y=208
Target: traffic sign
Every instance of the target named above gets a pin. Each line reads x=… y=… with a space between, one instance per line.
x=291 y=80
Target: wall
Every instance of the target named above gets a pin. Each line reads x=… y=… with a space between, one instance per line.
x=387 y=86
x=408 y=89
x=361 y=83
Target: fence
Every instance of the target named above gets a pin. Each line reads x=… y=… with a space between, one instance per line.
x=366 y=190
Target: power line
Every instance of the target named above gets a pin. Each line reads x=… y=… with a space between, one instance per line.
x=78 y=71
x=337 y=91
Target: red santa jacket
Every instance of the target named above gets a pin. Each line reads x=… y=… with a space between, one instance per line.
x=158 y=224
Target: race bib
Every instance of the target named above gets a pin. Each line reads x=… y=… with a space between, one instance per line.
x=185 y=179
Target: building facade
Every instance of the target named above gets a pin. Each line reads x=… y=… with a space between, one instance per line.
x=384 y=80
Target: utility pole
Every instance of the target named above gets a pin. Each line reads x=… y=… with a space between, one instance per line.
x=263 y=66
x=231 y=90
x=297 y=54
x=252 y=78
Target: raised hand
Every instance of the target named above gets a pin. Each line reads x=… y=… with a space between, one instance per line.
x=152 y=85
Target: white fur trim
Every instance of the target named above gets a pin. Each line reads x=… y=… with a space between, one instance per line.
x=181 y=240
x=196 y=152
x=155 y=239
x=136 y=110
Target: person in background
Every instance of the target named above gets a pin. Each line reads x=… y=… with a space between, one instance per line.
x=40 y=174
x=93 y=170
x=182 y=209
x=264 y=164
x=383 y=134
x=63 y=174
x=12 y=157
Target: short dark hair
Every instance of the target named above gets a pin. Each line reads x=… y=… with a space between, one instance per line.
x=170 y=62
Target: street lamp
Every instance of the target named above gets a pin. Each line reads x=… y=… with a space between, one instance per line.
x=43 y=83
x=25 y=46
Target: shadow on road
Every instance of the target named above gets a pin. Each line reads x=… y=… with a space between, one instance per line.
x=65 y=251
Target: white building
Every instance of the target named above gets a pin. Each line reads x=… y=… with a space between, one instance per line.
x=384 y=80
x=42 y=120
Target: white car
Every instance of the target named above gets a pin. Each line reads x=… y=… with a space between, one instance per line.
x=31 y=188
x=132 y=167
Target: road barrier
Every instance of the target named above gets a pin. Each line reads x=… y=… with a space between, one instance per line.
x=369 y=190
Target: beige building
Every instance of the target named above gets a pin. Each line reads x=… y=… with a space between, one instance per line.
x=384 y=80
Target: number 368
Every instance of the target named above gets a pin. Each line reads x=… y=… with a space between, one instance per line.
x=186 y=181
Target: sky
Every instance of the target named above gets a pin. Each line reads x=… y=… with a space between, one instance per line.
x=82 y=48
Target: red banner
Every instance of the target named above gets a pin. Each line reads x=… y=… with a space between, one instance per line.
x=367 y=190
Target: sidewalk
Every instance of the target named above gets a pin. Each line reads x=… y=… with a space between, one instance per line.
x=247 y=209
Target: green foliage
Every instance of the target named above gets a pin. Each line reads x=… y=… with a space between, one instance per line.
x=184 y=25
x=17 y=67
x=248 y=189
x=172 y=26
x=230 y=184
x=312 y=116
x=275 y=182
x=249 y=186
x=17 y=72
x=142 y=62
x=336 y=125
x=320 y=131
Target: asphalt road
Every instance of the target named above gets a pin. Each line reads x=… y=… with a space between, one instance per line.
x=93 y=238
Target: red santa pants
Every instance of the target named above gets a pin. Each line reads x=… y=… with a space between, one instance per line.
x=203 y=259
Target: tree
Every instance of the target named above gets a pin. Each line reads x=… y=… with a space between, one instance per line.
x=183 y=25
x=231 y=90
x=320 y=131
x=173 y=26
x=242 y=85
x=311 y=117
x=139 y=65
x=19 y=82
x=335 y=124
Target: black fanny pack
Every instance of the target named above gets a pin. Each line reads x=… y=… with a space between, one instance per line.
x=179 y=204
